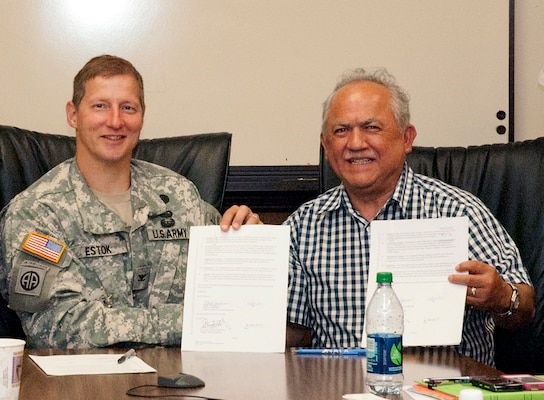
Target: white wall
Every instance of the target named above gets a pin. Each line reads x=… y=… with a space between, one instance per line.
x=261 y=68
x=529 y=59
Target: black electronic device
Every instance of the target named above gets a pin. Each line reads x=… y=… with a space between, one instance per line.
x=496 y=383
x=180 y=380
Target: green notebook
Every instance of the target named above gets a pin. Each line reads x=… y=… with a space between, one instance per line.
x=455 y=388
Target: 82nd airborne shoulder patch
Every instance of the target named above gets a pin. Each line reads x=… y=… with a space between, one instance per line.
x=44 y=247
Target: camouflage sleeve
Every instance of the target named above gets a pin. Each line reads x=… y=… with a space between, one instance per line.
x=3 y=269
x=66 y=316
x=211 y=215
x=75 y=323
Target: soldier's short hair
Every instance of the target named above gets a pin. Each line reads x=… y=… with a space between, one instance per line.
x=106 y=66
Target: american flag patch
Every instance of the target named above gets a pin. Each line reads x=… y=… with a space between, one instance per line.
x=44 y=247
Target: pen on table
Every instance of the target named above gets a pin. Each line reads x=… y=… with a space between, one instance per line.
x=340 y=352
x=126 y=356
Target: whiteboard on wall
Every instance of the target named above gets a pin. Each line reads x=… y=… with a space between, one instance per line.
x=261 y=69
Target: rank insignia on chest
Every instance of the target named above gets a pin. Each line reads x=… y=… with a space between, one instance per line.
x=44 y=247
x=141 y=278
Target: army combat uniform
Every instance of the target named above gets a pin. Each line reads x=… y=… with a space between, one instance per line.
x=79 y=277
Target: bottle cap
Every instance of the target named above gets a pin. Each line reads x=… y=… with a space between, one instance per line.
x=471 y=394
x=384 y=277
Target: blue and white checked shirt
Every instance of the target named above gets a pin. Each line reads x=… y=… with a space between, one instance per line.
x=329 y=258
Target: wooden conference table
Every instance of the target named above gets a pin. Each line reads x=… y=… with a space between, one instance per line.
x=241 y=376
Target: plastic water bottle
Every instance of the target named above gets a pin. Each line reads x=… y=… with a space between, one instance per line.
x=384 y=328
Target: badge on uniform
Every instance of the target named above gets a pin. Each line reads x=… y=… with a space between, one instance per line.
x=140 y=281
x=30 y=279
x=44 y=247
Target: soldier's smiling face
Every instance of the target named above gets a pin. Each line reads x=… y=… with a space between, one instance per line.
x=108 y=120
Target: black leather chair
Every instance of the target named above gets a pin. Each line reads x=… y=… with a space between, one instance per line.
x=26 y=155
x=509 y=178
x=203 y=158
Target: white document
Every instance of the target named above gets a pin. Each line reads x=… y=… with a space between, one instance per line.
x=421 y=253
x=236 y=289
x=90 y=364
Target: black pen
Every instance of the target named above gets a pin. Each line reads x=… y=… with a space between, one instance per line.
x=126 y=356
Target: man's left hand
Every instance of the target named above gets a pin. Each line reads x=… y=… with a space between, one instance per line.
x=486 y=290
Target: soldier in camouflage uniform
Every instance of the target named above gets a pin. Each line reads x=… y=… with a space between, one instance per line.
x=95 y=252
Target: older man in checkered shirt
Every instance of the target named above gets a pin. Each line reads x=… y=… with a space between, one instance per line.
x=366 y=134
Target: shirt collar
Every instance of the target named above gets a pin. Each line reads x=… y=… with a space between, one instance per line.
x=337 y=197
x=99 y=219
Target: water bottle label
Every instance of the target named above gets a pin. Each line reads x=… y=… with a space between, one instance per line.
x=384 y=354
